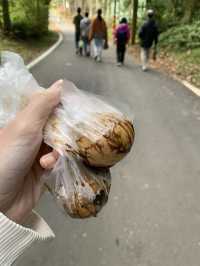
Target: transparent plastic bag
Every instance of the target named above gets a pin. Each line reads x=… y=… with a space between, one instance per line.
x=16 y=85
x=89 y=127
x=79 y=190
x=83 y=129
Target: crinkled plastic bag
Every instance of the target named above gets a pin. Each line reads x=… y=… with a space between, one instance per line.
x=79 y=190
x=16 y=84
x=88 y=127
x=83 y=129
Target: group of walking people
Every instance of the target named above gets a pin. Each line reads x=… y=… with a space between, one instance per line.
x=91 y=37
x=87 y=32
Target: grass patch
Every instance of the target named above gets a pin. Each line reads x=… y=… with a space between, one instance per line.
x=189 y=65
x=28 y=49
x=182 y=64
x=181 y=48
x=191 y=56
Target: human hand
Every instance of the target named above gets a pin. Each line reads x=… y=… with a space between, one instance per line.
x=22 y=155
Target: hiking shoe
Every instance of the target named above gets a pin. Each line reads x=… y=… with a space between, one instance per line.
x=98 y=59
x=144 y=68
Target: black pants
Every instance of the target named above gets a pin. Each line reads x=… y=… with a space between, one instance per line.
x=86 y=45
x=77 y=39
x=121 y=49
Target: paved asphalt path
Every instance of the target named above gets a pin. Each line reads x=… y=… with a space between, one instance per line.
x=153 y=214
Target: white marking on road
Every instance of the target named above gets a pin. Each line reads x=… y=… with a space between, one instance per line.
x=46 y=53
x=191 y=87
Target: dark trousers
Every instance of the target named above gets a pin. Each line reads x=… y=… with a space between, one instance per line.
x=77 y=39
x=86 y=45
x=121 y=49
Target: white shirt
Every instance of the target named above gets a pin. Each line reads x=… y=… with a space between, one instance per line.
x=15 y=238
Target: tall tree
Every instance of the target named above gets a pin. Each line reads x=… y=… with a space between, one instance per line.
x=115 y=13
x=105 y=5
x=6 y=16
x=134 y=21
x=189 y=7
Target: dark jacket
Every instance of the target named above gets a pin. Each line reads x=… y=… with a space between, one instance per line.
x=148 y=33
x=77 y=20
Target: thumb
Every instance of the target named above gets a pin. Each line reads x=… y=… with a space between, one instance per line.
x=42 y=103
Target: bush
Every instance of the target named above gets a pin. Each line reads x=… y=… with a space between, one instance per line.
x=182 y=37
x=31 y=21
x=24 y=30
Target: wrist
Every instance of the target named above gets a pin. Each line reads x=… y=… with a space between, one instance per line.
x=16 y=215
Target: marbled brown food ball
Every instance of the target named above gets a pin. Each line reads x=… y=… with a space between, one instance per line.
x=110 y=147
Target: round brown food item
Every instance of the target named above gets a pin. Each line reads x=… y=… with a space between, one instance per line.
x=89 y=192
x=109 y=148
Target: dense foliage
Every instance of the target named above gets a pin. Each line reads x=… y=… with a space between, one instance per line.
x=27 y=18
x=182 y=37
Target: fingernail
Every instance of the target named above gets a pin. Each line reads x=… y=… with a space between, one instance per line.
x=47 y=161
x=57 y=86
x=59 y=83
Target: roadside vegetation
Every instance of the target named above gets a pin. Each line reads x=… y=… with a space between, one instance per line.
x=24 y=27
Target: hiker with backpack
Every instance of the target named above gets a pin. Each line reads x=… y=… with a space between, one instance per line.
x=122 y=36
x=148 y=35
x=85 y=28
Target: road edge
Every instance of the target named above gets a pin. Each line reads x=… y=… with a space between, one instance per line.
x=189 y=86
x=38 y=59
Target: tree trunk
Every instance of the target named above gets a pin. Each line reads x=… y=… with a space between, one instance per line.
x=114 y=14
x=38 y=11
x=6 y=16
x=90 y=8
x=64 y=5
x=134 y=21
x=189 y=7
x=105 y=3
x=109 y=8
x=148 y=3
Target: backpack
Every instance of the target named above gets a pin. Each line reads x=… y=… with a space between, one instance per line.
x=122 y=35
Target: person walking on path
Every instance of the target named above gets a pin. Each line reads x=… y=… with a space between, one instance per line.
x=77 y=20
x=98 y=33
x=122 y=36
x=85 y=28
x=148 y=35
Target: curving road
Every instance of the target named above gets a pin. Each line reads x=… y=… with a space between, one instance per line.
x=153 y=215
